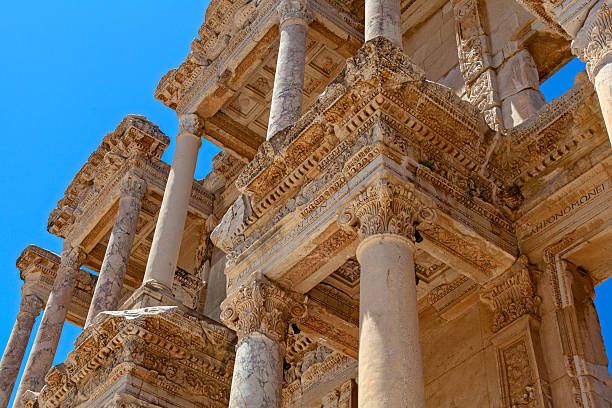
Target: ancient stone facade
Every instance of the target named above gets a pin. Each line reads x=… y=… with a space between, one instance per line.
x=397 y=219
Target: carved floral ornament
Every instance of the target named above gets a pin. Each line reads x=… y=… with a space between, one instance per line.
x=190 y=123
x=594 y=45
x=261 y=306
x=294 y=11
x=386 y=208
x=72 y=257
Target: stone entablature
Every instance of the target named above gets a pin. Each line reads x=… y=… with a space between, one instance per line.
x=283 y=181
x=157 y=355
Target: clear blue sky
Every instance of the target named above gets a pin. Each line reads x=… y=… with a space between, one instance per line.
x=70 y=71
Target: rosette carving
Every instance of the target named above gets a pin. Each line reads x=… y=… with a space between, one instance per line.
x=263 y=307
x=593 y=44
x=386 y=208
x=296 y=11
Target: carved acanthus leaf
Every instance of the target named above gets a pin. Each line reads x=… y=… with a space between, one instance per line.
x=261 y=306
x=514 y=296
x=386 y=208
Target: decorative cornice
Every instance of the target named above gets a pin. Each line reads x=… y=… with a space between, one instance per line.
x=593 y=44
x=133 y=186
x=263 y=307
x=386 y=208
x=513 y=296
x=292 y=11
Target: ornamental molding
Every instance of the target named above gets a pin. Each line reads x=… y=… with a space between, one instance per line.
x=294 y=11
x=386 y=208
x=159 y=346
x=260 y=306
x=512 y=295
x=593 y=44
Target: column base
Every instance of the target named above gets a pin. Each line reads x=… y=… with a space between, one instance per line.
x=150 y=294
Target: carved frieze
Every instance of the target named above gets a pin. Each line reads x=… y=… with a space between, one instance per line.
x=186 y=359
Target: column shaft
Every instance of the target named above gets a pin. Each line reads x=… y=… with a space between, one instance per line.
x=256 y=381
x=112 y=274
x=603 y=87
x=390 y=363
x=173 y=212
x=383 y=18
x=50 y=330
x=286 y=106
x=260 y=312
x=31 y=306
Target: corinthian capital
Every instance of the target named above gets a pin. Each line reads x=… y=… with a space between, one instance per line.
x=295 y=11
x=72 y=257
x=261 y=306
x=31 y=305
x=190 y=123
x=133 y=186
x=593 y=44
x=386 y=208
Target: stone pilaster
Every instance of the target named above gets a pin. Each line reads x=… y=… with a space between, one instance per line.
x=260 y=312
x=29 y=309
x=286 y=106
x=108 y=288
x=383 y=18
x=48 y=335
x=173 y=212
x=593 y=46
x=385 y=216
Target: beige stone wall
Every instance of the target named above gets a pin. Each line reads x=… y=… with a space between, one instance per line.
x=216 y=285
x=432 y=45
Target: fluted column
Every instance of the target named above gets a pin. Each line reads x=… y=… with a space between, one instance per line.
x=173 y=212
x=29 y=309
x=383 y=18
x=390 y=362
x=260 y=312
x=593 y=46
x=112 y=273
x=48 y=335
x=286 y=106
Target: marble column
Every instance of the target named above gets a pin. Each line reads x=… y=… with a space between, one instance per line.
x=112 y=273
x=592 y=45
x=173 y=212
x=286 y=106
x=48 y=335
x=390 y=362
x=260 y=312
x=383 y=18
x=29 y=309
